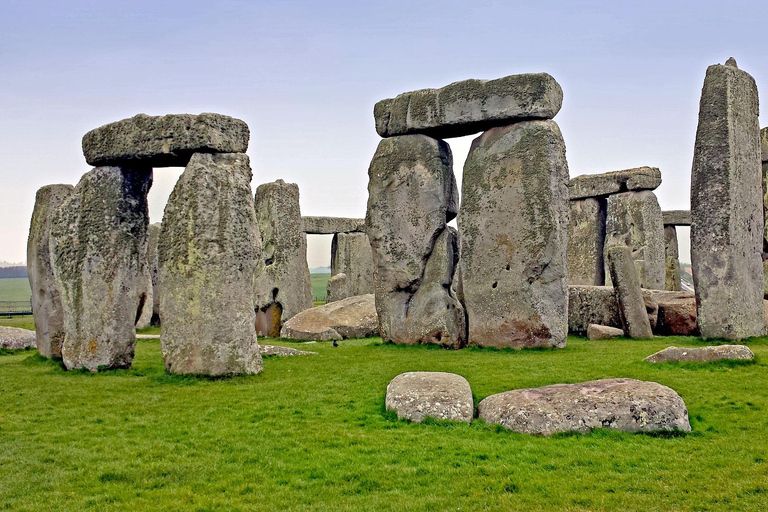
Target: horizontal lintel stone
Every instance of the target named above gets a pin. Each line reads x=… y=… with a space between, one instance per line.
x=595 y=185
x=331 y=225
x=676 y=217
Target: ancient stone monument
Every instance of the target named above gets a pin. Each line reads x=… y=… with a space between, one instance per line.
x=439 y=395
x=634 y=317
x=671 y=219
x=153 y=237
x=351 y=266
x=727 y=223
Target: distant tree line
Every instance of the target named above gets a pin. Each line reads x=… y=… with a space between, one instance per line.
x=6 y=272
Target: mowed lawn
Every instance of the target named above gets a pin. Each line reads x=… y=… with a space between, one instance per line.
x=319 y=287
x=311 y=433
x=15 y=289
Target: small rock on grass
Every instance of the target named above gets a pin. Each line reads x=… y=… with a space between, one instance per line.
x=439 y=395
x=603 y=332
x=13 y=338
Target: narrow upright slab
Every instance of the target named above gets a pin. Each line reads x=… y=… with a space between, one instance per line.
x=586 y=236
x=351 y=255
x=207 y=253
x=514 y=230
x=634 y=316
x=469 y=106
x=153 y=238
x=727 y=207
x=596 y=185
x=672 y=263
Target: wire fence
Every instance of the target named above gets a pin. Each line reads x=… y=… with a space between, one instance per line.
x=15 y=307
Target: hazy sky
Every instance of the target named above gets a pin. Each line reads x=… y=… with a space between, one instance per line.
x=304 y=75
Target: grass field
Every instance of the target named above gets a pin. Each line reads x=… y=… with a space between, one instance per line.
x=312 y=433
x=319 y=287
x=15 y=289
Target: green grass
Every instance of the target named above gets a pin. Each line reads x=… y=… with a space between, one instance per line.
x=24 y=321
x=311 y=433
x=319 y=287
x=15 y=289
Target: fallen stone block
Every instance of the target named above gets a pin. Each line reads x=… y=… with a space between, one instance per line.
x=603 y=332
x=273 y=350
x=419 y=395
x=595 y=185
x=702 y=354
x=353 y=317
x=13 y=338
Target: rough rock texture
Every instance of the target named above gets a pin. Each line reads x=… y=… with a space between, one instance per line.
x=677 y=316
x=411 y=195
x=164 y=141
x=46 y=301
x=676 y=217
x=469 y=106
x=273 y=350
x=594 y=185
x=208 y=250
x=598 y=305
x=13 y=338
x=634 y=317
x=727 y=208
x=634 y=219
x=514 y=230
x=418 y=395
x=586 y=235
x=351 y=256
x=672 y=263
x=331 y=225
x=153 y=238
x=98 y=253
x=702 y=354
x=353 y=317
x=603 y=332
x=628 y=405
x=282 y=277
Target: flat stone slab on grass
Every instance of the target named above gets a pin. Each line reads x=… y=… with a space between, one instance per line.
x=702 y=354
x=353 y=317
x=603 y=332
x=627 y=405
x=273 y=350
x=443 y=396
x=595 y=185
x=13 y=338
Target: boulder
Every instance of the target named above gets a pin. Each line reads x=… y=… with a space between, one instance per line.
x=331 y=225
x=676 y=217
x=627 y=405
x=586 y=235
x=353 y=317
x=634 y=317
x=603 y=332
x=351 y=255
x=595 y=185
x=13 y=338
x=208 y=249
x=514 y=229
x=164 y=141
x=470 y=106
x=418 y=395
x=702 y=354
x=677 y=317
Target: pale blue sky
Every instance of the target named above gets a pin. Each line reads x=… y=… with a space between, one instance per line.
x=305 y=75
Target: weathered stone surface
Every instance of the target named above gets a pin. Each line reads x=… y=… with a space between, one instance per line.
x=634 y=219
x=627 y=405
x=411 y=195
x=586 y=235
x=164 y=141
x=13 y=338
x=676 y=217
x=331 y=225
x=153 y=238
x=595 y=185
x=469 y=106
x=98 y=254
x=514 y=229
x=702 y=354
x=145 y=308
x=351 y=255
x=273 y=350
x=46 y=301
x=634 y=317
x=727 y=208
x=591 y=305
x=418 y=395
x=353 y=317
x=764 y=144
x=603 y=332
x=672 y=263
x=208 y=250
x=677 y=316
x=282 y=277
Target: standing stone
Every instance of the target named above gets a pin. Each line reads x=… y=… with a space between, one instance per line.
x=672 y=266
x=514 y=228
x=283 y=286
x=46 y=301
x=634 y=219
x=727 y=208
x=350 y=255
x=145 y=307
x=98 y=249
x=411 y=195
x=209 y=246
x=153 y=237
x=634 y=316
x=586 y=235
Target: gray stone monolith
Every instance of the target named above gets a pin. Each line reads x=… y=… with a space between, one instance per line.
x=586 y=236
x=727 y=208
x=634 y=316
x=46 y=301
x=207 y=253
x=672 y=265
x=411 y=195
x=514 y=228
x=350 y=255
x=153 y=238
x=98 y=250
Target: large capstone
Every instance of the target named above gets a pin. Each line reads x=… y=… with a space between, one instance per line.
x=676 y=217
x=208 y=250
x=46 y=302
x=411 y=195
x=416 y=396
x=727 y=207
x=672 y=263
x=164 y=141
x=514 y=229
x=331 y=225
x=586 y=235
x=469 y=106
x=98 y=252
x=350 y=255
x=594 y=185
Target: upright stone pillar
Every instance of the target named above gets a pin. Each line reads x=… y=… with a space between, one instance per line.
x=586 y=235
x=727 y=207
x=208 y=249
x=351 y=266
x=514 y=228
x=153 y=238
x=46 y=301
x=672 y=267
x=411 y=195
x=634 y=317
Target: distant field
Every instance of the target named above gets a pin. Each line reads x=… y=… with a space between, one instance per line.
x=319 y=284
x=15 y=288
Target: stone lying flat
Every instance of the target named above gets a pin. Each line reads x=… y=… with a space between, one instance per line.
x=627 y=405
x=702 y=354
x=676 y=217
x=418 y=395
x=274 y=350
x=603 y=332
x=13 y=338
x=331 y=225
x=353 y=317
x=164 y=141
x=594 y=185
x=470 y=106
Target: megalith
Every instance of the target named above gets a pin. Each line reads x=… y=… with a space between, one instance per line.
x=412 y=193
x=632 y=308
x=350 y=255
x=153 y=237
x=208 y=250
x=672 y=261
x=586 y=236
x=46 y=302
x=727 y=208
x=514 y=228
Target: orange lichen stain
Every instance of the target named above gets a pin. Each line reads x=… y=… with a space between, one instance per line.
x=93 y=346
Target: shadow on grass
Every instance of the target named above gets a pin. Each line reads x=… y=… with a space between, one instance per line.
x=711 y=366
